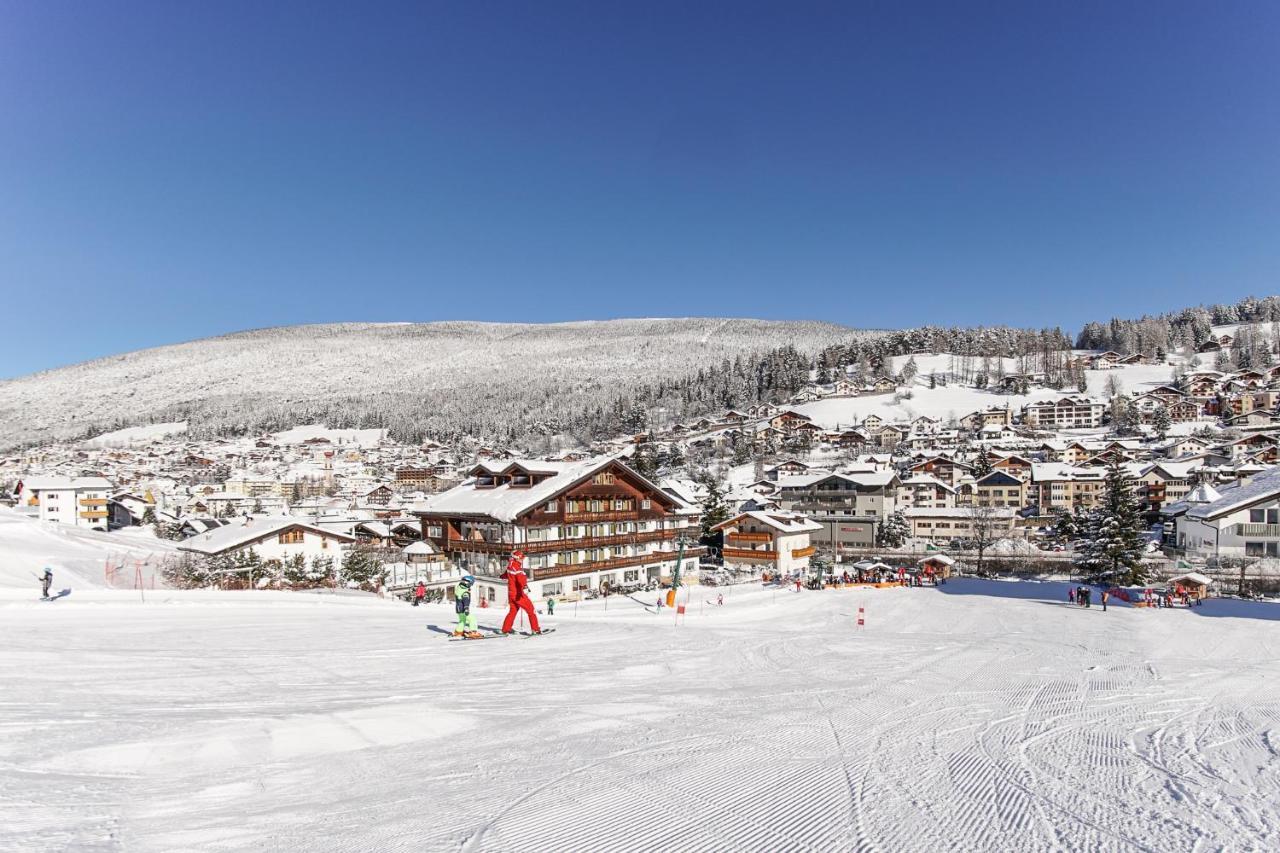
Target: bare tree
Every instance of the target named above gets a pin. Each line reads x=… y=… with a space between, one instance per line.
x=987 y=524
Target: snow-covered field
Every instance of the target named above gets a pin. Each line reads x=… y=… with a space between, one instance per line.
x=956 y=400
x=978 y=716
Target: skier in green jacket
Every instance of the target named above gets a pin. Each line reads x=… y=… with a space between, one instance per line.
x=462 y=604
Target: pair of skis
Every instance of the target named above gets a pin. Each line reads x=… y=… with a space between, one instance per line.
x=454 y=639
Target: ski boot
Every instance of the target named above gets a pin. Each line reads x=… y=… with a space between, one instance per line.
x=473 y=635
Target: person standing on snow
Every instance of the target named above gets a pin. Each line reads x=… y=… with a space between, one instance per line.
x=46 y=581
x=419 y=593
x=518 y=594
x=462 y=604
x=551 y=607
x=1105 y=596
x=1071 y=595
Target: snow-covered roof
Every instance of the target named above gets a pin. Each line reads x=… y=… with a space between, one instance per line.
x=506 y=502
x=1193 y=577
x=783 y=522
x=237 y=535
x=862 y=478
x=37 y=484
x=1041 y=471
x=1263 y=486
x=937 y=558
x=420 y=547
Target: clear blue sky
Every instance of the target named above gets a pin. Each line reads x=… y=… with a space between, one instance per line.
x=170 y=172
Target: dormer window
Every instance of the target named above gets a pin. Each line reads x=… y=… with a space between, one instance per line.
x=486 y=482
x=604 y=478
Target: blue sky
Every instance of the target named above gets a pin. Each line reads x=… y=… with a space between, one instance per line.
x=170 y=172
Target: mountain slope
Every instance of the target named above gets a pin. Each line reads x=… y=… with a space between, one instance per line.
x=450 y=376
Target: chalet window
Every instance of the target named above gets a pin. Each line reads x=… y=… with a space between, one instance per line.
x=619 y=505
x=631 y=576
x=290 y=537
x=556 y=588
x=1255 y=549
x=434 y=532
x=604 y=478
x=551 y=506
x=596 y=506
x=1257 y=516
x=579 y=584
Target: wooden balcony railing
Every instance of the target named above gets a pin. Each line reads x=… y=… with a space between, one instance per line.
x=92 y=501
x=743 y=536
x=94 y=513
x=749 y=554
x=586 y=517
x=799 y=553
x=650 y=559
x=552 y=545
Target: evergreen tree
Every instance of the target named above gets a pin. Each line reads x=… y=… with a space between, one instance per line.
x=1162 y=421
x=294 y=571
x=909 y=371
x=320 y=572
x=714 y=508
x=1113 y=542
x=1065 y=526
x=894 y=531
x=149 y=516
x=981 y=466
x=362 y=568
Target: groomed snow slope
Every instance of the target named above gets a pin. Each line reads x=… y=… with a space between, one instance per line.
x=77 y=556
x=980 y=716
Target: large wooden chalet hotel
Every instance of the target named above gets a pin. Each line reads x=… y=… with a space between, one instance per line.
x=581 y=524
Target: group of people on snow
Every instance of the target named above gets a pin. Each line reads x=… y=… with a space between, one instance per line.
x=1082 y=596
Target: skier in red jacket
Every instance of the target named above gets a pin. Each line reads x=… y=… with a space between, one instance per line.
x=518 y=594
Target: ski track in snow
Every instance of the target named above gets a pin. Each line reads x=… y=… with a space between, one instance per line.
x=952 y=722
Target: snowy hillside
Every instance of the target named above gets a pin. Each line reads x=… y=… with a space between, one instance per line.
x=957 y=400
x=453 y=374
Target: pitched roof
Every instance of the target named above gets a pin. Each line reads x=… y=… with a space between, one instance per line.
x=1263 y=486
x=783 y=522
x=234 y=536
x=506 y=503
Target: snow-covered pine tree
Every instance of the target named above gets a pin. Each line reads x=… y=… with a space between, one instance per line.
x=1161 y=420
x=1064 y=525
x=981 y=465
x=894 y=531
x=1113 y=542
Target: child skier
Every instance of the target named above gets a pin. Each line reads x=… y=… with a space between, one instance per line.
x=419 y=593
x=518 y=594
x=46 y=581
x=462 y=604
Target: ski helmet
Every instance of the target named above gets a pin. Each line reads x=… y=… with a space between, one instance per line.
x=517 y=554
x=468 y=580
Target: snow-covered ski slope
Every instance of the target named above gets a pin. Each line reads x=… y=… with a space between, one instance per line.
x=978 y=716
x=467 y=367
x=957 y=400
x=77 y=556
